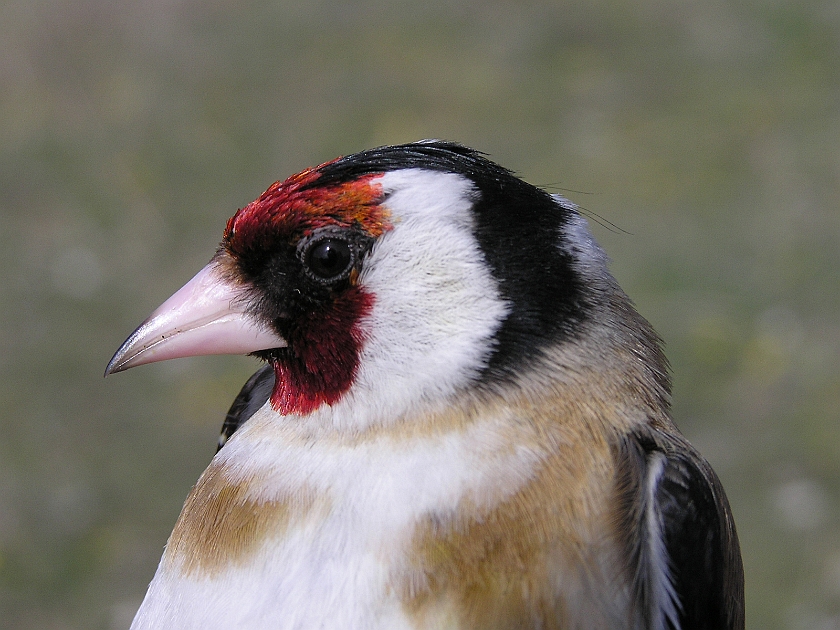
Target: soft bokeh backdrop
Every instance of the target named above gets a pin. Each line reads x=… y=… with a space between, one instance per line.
x=707 y=131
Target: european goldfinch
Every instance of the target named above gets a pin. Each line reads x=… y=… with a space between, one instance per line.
x=465 y=422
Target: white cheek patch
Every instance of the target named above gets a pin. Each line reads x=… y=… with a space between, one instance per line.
x=436 y=306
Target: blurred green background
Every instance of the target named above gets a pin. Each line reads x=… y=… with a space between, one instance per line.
x=707 y=131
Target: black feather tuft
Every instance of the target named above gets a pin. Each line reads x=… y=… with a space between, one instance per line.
x=253 y=395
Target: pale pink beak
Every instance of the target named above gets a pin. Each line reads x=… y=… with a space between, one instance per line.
x=206 y=316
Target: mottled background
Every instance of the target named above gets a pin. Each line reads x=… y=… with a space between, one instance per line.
x=708 y=132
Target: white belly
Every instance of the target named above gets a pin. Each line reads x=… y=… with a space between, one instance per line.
x=309 y=580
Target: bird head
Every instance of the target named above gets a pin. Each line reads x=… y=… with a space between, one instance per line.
x=388 y=279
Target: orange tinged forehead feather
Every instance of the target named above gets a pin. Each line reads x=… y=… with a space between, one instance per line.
x=291 y=209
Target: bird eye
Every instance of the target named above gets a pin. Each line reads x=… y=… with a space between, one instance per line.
x=329 y=258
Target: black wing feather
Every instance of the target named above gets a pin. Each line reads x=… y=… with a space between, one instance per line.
x=251 y=397
x=695 y=525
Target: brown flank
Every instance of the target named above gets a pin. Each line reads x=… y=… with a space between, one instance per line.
x=222 y=525
x=499 y=567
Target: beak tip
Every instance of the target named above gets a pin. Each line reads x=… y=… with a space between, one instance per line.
x=113 y=366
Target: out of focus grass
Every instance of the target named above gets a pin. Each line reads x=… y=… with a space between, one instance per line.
x=709 y=132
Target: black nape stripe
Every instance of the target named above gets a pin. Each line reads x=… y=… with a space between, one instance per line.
x=518 y=227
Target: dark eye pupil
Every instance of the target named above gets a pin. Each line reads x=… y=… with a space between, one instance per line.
x=329 y=258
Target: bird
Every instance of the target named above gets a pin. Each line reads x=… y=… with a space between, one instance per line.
x=462 y=422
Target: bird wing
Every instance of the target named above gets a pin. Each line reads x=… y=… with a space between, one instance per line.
x=680 y=540
x=251 y=397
